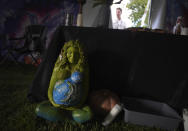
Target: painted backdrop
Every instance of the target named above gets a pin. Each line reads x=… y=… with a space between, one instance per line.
x=15 y=15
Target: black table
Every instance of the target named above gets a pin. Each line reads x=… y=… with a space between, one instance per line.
x=131 y=63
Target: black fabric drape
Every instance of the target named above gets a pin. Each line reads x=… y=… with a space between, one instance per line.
x=39 y=86
x=137 y=64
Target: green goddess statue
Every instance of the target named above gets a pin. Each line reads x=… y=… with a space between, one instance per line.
x=69 y=86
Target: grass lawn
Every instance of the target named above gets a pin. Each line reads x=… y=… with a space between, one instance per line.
x=17 y=114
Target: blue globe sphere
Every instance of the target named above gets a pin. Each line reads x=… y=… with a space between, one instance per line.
x=76 y=77
x=61 y=92
x=69 y=91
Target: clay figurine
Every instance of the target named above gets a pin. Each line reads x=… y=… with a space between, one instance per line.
x=69 y=85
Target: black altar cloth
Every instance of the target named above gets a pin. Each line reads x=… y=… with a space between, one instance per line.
x=131 y=63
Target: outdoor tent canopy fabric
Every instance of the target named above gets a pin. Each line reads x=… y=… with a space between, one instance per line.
x=158 y=14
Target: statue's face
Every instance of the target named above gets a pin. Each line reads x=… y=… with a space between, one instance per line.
x=73 y=55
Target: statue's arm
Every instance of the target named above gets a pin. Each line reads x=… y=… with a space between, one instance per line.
x=58 y=74
x=51 y=87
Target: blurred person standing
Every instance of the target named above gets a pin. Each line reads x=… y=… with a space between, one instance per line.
x=119 y=24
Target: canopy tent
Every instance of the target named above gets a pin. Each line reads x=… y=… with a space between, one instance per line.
x=158 y=14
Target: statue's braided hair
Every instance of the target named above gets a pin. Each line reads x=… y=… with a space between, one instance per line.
x=62 y=59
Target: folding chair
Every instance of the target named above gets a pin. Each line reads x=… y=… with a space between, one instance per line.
x=35 y=39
